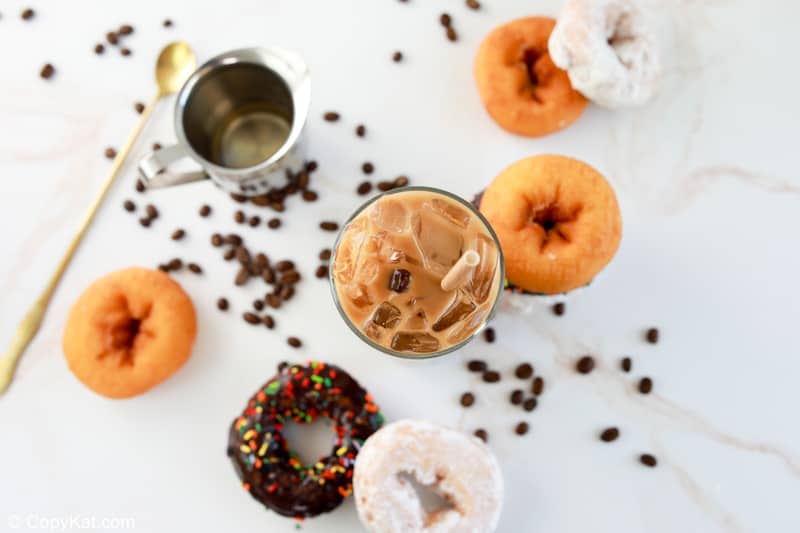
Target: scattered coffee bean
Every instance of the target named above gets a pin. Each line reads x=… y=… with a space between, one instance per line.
x=325 y=254
x=397 y=57
x=626 y=364
x=233 y=239
x=175 y=264
x=367 y=168
x=530 y=404
x=268 y=275
x=125 y=52
x=229 y=255
x=27 y=14
x=585 y=364
x=216 y=240
x=140 y=186
x=400 y=280
x=268 y=321
x=47 y=71
x=648 y=460
x=151 y=211
x=294 y=342
x=254 y=221
x=251 y=318
x=222 y=304
x=609 y=434
x=125 y=29
x=311 y=166
x=321 y=272
x=445 y=20
x=473 y=4
x=238 y=198
x=262 y=260
x=516 y=397
x=129 y=206
x=283 y=266
x=290 y=277
x=138 y=107
x=163 y=268
x=243 y=255
x=384 y=186
x=258 y=305
x=559 y=308
x=476 y=365
x=538 y=386
x=167 y=23
x=205 y=210
x=274 y=223
x=273 y=300
x=364 y=188
x=481 y=434
x=521 y=428
x=331 y=116
x=310 y=196
x=287 y=291
x=489 y=335
x=400 y=181
x=452 y=36
x=157 y=147
x=239 y=217
x=361 y=130
x=178 y=234
x=242 y=277
x=112 y=38
x=651 y=335
x=145 y=222
x=110 y=153
x=645 y=385
x=467 y=399
x=194 y=268
x=524 y=371
x=99 y=49
x=491 y=376
x=328 y=226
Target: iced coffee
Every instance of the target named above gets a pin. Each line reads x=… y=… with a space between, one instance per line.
x=417 y=272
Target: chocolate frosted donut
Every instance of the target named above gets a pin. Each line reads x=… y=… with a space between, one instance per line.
x=268 y=468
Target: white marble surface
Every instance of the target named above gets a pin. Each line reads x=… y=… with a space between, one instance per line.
x=711 y=201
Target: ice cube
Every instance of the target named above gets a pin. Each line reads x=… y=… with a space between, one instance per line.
x=450 y=211
x=417 y=321
x=386 y=316
x=358 y=294
x=468 y=327
x=373 y=331
x=483 y=278
x=458 y=310
x=411 y=341
x=390 y=214
x=439 y=242
x=367 y=271
x=349 y=251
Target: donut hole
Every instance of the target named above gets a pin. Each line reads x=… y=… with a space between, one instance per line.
x=309 y=441
x=529 y=57
x=431 y=498
x=122 y=331
x=551 y=218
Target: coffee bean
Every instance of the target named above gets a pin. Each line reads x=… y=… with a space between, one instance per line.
x=195 y=268
x=364 y=188
x=125 y=52
x=538 y=386
x=445 y=20
x=367 y=168
x=397 y=57
x=262 y=260
x=473 y=4
x=491 y=376
x=274 y=301
x=238 y=198
x=648 y=460
x=151 y=211
x=205 y=210
x=129 y=206
x=286 y=293
x=467 y=399
x=178 y=234
x=609 y=434
x=243 y=255
x=112 y=38
x=258 y=305
x=325 y=254
x=521 y=428
x=585 y=364
x=229 y=254
x=328 y=226
x=125 y=29
x=311 y=166
x=274 y=223
x=400 y=280
x=268 y=275
x=242 y=277
x=516 y=397
x=294 y=342
x=384 y=186
x=277 y=206
x=163 y=268
x=110 y=153
x=27 y=14
x=268 y=321
x=559 y=308
x=290 y=277
x=331 y=116
x=216 y=240
x=310 y=196
x=99 y=49
x=651 y=335
x=156 y=147
x=400 y=181
x=452 y=36
x=361 y=130
x=233 y=239
x=138 y=107
x=175 y=264
x=145 y=222
x=238 y=217
x=321 y=272
x=167 y=23
x=489 y=335
x=476 y=365
x=140 y=186
x=626 y=364
x=283 y=266
x=530 y=404
x=251 y=318
x=524 y=371
x=645 y=385
x=481 y=434
x=47 y=71
x=254 y=221
x=222 y=304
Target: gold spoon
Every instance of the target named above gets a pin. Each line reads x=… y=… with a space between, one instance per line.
x=174 y=66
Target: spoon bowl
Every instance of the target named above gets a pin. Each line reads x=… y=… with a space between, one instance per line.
x=174 y=66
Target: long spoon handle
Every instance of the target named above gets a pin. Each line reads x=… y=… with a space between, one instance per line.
x=33 y=318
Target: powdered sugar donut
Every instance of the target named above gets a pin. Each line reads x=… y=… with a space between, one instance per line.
x=608 y=50
x=459 y=467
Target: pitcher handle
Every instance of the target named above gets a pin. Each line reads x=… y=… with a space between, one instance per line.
x=152 y=168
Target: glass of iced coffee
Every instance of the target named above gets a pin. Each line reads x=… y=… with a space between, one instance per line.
x=417 y=272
